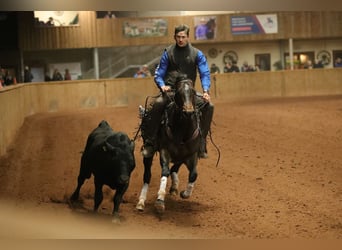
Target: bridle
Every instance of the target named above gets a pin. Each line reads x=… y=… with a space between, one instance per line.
x=173 y=102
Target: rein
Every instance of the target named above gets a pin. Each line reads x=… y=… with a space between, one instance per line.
x=145 y=108
x=193 y=137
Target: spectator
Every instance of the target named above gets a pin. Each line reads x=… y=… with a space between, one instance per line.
x=57 y=76
x=140 y=73
x=214 y=69
x=308 y=65
x=318 y=64
x=2 y=77
x=27 y=74
x=9 y=80
x=146 y=70
x=47 y=77
x=246 y=67
x=109 y=14
x=67 y=75
x=50 y=22
x=338 y=62
x=231 y=67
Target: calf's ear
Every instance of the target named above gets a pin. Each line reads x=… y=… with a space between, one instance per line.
x=107 y=147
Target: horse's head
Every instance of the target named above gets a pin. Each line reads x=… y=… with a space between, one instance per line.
x=185 y=94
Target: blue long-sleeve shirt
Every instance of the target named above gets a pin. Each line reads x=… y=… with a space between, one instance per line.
x=202 y=67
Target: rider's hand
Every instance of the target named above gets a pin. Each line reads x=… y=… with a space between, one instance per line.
x=206 y=96
x=165 y=88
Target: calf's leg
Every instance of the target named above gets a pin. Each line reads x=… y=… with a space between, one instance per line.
x=98 y=195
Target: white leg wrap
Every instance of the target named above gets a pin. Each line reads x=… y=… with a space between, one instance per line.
x=161 y=192
x=143 y=193
x=175 y=180
x=189 y=189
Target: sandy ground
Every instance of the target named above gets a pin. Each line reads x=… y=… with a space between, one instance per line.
x=279 y=177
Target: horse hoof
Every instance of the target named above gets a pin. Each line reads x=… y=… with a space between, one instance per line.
x=140 y=206
x=173 y=191
x=160 y=206
x=116 y=219
x=183 y=195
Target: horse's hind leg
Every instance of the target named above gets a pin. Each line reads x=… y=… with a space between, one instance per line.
x=174 y=179
x=147 y=178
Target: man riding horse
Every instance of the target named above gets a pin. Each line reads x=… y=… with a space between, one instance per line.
x=179 y=58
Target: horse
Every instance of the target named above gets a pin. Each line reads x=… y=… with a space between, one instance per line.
x=179 y=143
x=211 y=26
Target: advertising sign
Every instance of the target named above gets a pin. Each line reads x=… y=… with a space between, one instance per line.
x=254 y=24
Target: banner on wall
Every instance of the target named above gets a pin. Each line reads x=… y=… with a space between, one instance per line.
x=254 y=24
x=145 y=28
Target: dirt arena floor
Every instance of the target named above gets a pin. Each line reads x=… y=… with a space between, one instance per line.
x=279 y=177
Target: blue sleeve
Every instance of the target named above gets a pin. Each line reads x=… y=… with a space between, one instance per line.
x=161 y=70
x=203 y=70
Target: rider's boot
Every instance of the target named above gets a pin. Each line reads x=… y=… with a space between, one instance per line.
x=207 y=116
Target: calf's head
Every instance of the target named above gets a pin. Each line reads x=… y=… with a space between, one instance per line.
x=120 y=152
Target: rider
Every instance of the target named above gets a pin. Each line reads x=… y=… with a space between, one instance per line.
x=181 y=58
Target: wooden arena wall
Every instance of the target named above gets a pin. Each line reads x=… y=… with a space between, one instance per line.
x=22 y=100
x=96 y=33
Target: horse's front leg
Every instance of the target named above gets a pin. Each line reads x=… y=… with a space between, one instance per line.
x=174 y=179
x=164 y=163
x=192 y=167
x=147 y=178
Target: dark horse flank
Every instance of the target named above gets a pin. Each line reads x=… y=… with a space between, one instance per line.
x=179 y=141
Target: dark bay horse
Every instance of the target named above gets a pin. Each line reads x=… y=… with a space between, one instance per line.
x=179 y=140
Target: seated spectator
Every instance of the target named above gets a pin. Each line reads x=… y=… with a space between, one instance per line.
x=27 y=74
x=47 y=77
x=9 y=80
x=308 y=65
x=146 y=70
x=142 y=72
x=109 y=14
x=67 y=75
x=2 y=77
x=318 y=64
x=57 y=76
x=234 y=67
x=214 y=69
x=338 y=62
x=246 y=67
x=50 y=22
x=231 y=67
